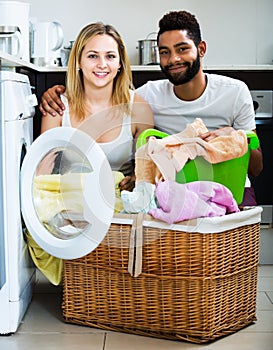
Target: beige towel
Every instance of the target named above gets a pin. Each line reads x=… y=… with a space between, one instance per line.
x=145 y=167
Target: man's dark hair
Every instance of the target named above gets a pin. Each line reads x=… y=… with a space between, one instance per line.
x=180 y=20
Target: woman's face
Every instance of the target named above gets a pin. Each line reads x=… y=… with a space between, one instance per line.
x=100 y=60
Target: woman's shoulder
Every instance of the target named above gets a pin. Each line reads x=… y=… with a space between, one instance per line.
x=141 y=110
x=138 y=97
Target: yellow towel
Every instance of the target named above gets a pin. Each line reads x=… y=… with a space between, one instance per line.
x=118 y=177
x=53 y=194
x=49 y=265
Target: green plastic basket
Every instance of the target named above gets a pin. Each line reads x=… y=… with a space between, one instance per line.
x=231 y=173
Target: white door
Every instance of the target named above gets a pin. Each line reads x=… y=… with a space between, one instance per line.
x=67 y=192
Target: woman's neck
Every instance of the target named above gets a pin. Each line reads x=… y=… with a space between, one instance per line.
x=98 y=99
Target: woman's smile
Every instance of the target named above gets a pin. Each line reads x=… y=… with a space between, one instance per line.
x=100 y=74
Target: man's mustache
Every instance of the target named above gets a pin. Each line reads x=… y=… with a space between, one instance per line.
x=169 y=66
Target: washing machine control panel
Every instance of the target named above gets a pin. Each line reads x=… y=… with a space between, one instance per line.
x=18 y=100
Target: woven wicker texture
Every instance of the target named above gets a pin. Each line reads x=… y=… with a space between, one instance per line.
x=193 y=286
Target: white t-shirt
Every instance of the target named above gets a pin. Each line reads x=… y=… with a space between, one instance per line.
x=225 y=102
x=119 y=152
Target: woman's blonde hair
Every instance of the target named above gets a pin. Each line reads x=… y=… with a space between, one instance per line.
x=74 y=79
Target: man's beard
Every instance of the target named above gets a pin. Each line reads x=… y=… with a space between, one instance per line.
x=183 y=77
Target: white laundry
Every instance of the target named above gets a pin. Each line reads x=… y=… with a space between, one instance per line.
x=140 y=200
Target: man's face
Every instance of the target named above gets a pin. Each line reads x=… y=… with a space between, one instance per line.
x=179 y=57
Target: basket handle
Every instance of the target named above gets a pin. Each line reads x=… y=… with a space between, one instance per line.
x=142 y=139
x=136 y=243
x=254 y=142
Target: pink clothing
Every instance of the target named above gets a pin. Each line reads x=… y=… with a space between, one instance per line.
x=178 y=202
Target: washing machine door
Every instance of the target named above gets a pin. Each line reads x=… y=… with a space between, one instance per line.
x=67 y=192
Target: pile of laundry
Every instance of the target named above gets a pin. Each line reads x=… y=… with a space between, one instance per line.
x=158 y=161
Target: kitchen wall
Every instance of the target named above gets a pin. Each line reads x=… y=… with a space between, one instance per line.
x=236 y=31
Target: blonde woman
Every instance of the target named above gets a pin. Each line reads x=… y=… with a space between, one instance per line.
x=100 y=99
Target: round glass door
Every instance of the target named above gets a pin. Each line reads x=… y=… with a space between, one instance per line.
x=67 y=192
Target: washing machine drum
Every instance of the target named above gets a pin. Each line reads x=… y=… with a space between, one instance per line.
x=67 y=192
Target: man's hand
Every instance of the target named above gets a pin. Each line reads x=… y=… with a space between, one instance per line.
x=51 y=102
x=210 y=135
x=255 y=165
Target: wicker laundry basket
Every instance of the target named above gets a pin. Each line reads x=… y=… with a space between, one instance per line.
x=194 y=281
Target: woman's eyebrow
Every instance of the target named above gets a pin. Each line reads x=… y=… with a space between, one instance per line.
x=95 y=51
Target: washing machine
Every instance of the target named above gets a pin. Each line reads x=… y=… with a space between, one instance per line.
x=17 y=272
x=59 y=189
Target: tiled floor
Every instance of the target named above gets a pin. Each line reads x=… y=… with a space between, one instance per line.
x=43 y=328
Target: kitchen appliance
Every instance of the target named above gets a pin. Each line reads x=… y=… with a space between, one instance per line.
x=67 y=207
x=148 y=51
x=86 y=195
x=46 y=42
x=65 y=53
x=262 y=101
x=11 y=41
x=15 y=15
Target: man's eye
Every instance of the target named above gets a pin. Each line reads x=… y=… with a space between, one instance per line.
x=163 y=53
x=183 y=49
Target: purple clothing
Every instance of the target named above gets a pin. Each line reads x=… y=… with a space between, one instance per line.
x=178 y=202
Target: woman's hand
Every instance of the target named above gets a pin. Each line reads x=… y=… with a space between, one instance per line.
x=128 y=183
x=51 y=102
